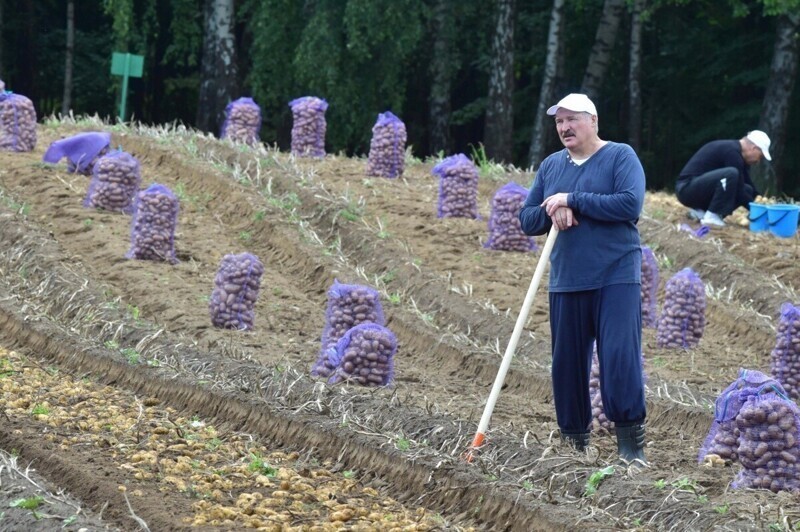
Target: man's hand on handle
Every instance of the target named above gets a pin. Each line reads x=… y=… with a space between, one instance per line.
x=558 y=211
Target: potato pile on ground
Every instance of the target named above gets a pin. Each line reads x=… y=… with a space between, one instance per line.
x=17 y=123
x=308 y=126
x=235 y=293
x=348 y=306
x=365 y=354
x=505 y=231
x=153 y=228
x=387 y=149
x=600 y=422
x=458 y=187
x=115 y=183
x=785 y=357
x=768 y=443
x=723 y=437
x=242 y=121
x=82 y=151
x=683 y=315
x=650 y=280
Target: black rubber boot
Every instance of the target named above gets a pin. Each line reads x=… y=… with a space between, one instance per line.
x=580 y=441
x=630 y=443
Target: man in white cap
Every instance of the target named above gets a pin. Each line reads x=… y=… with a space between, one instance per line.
x=593 y=192
x=716 y=180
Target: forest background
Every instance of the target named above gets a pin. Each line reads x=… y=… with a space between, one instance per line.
x=471 y=76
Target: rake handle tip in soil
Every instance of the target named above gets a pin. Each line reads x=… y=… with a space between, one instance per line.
x=480 y=435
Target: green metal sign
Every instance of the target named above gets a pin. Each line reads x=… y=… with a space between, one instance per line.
x=127 y=66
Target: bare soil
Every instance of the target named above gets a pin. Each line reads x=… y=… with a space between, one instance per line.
x=70 y=301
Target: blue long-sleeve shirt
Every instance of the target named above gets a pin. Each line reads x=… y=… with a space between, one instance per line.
x=606 y=194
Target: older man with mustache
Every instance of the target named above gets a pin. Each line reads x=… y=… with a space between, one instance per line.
x=593 y=192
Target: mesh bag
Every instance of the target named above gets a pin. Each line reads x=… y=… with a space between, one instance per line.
x=348 y=306
x=242 y=121
x=768 y=443
x=458 y=187
x=505 y=231
x=81 y=150
x=723 y=436
x=650 y=279
x=308 y=126
x=155 y=217
x=17 y=123
x=387 y=149
x=365 y=355
x=600 y=422
x=235 y=293
x=785 y=357
x=115 y=182
x=683 y=316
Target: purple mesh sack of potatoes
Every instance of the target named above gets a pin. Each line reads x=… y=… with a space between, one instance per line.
x=155 y=216
x=81 y=150
x=17 y=123
x=600 y=422
x=115 y=182
x=308 y=126
x=650 y=280
x=768 y=443
x=683 y=315
x=242 y=121
x=723 y=436
x=348 y=305
x=387 y=149
x=235 y=293
x=365 y=355
x=458 y=187
x=785 y=357
x=505 y=232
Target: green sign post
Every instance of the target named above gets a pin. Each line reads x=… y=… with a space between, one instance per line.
x=127 y=66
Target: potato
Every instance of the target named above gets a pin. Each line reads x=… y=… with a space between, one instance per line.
x=682 y=319
x=650 y=280
x=115 y=183
x=153 y=227
x=17 y=123
x=505 y=231
x=368 y=350
x=242 y=121
x=458 y=187
x=308 y=126
x=236 y=287
x=785 y=356
x=387 y=149
x=348 y=306
x=599 y=420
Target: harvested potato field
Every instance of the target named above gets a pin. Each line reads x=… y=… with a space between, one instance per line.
x=118 y=390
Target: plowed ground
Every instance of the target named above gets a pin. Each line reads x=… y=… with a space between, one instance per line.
x=118 y=389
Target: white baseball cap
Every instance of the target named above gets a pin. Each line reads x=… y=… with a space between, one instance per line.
x=580 y=103
x=760 y=139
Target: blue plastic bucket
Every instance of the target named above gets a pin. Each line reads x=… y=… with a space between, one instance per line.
x=782 y=219
x=758 y=217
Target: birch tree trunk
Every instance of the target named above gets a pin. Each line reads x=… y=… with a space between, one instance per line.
x=66 y=101
x=604 y=41
x=635 y=77
x=555 y=49
x=499 y=109
x=775 y=108
x=439 y=104
x=1 y=40
x=218 y=84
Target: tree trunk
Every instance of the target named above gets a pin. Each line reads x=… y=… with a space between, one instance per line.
x=218 y=84
x=441 y=79
x=604 y=40
x=635 y=77
x=775 y=108
x=1 y=40
x=66 y=102
x=555 y=49
x=499 y=110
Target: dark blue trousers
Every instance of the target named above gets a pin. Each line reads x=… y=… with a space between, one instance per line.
x=612 y=316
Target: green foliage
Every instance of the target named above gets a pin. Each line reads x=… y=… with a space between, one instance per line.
x=257 y=465
x=28 y=503
x=595 y=479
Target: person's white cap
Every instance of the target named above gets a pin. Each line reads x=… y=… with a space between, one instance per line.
x=579 y=103
x=760 y=139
